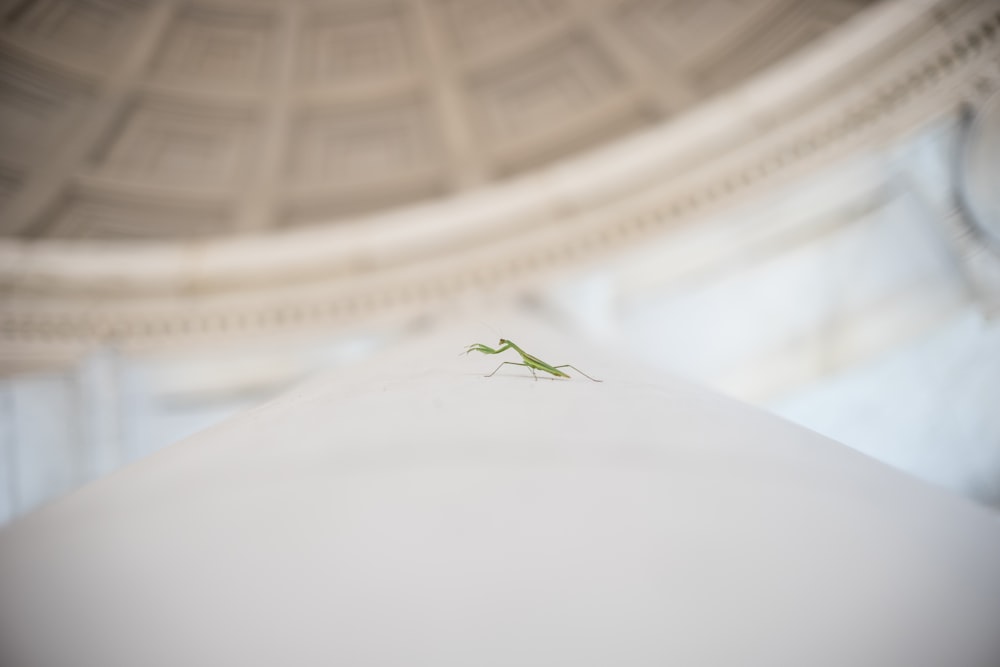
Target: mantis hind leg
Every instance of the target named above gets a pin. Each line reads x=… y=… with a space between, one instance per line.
x=578 y=371
x=512 y=363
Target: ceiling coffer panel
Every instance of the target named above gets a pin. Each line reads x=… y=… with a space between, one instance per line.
x=93 y=30
x=356 y=45
x=160 y=143
x=573 y=97
x=10 y=182
x=38 y=107
x=475 y=27
x=97 y=215
x=338 y=147
x=217 y=47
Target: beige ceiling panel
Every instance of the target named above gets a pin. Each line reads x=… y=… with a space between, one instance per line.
x=217 y=47
x=37 y=106
x=106 y=216
x=164 y=143
x=476 y=26
x=10 y=182
x=340 y=147
x=356 y=44
x=542 y=104
x=89 y=29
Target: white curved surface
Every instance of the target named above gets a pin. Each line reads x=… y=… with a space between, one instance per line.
x=405 y=516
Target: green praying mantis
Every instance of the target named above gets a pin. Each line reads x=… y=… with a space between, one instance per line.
x=530 y=361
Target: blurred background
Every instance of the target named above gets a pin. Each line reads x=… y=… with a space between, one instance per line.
x=204 y=202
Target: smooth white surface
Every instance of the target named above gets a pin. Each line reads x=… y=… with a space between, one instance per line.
x=413 y=512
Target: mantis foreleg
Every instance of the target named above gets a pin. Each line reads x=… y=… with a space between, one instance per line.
x=485 y=349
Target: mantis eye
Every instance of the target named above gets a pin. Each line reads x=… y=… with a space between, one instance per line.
x=502 y=341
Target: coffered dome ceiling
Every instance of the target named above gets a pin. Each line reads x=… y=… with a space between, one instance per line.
x=184 y=169
x=184 y=119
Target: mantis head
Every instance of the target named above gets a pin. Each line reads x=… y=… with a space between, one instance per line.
x=502 y=342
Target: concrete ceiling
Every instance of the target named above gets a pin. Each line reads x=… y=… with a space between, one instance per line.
x=245 y=171
x=171 y=119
